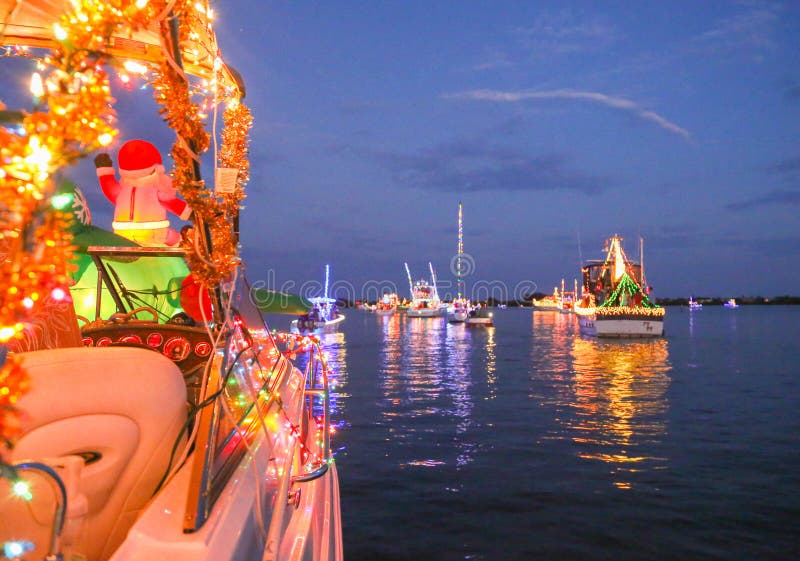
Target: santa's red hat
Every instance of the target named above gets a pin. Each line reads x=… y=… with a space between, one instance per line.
x=139 y=158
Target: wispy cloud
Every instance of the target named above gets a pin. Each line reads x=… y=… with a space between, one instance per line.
x=751 y=31
x=774 y=197
x=470 y=166
x=565 y=33
x=592 y=97
x=550 y=34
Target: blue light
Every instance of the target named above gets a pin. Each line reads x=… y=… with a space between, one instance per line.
x=15 y=549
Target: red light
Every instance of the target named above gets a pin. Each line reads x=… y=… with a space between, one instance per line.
x=131 y=339
x=87 y=341
x=202 y=349
x=155 y=340
x=103 y=341
x=177 y=348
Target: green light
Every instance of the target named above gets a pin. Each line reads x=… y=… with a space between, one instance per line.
x=22 y=490
x=61 y=201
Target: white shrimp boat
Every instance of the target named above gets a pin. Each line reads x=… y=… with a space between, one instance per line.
x=614 y=302
x=147 y=434
x=425 y=301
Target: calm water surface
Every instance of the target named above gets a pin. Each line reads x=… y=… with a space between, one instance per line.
x=529 y=441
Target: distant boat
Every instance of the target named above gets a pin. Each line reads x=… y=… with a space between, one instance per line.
x=548 y=303
x=694 y=305
x=481 y=316
x=387 y=305
x=324 y=314
x=425 y=301
x=568 y=298
x=459 y=309
x=731 y=303
x=615 y=302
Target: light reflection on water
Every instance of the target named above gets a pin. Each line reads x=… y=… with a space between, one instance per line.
x=335 y=349
x=531 y=442
x=620 y=403
x=426 y=377
x=609 y=397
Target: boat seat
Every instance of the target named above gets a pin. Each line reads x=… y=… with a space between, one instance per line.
x=119 y=408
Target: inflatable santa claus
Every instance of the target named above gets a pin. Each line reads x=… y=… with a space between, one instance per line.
x=142 y=196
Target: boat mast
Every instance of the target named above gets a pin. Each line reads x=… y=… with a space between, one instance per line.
x=433 y=280
x=327 y=276
x=642 y=279
x=459 y=280
x=410 y=282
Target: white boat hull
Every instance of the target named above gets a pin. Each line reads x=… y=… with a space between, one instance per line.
x=425 y=312
x=479 y=322
x=324 y=326
x=387 y=312
x=232 y=533
x=457 y=316
x=620 y=328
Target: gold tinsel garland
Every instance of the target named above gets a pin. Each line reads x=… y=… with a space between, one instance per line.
x=72 y=118
x=209 y=265
x=13 y=384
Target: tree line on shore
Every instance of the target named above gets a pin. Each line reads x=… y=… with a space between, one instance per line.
x=527 y=302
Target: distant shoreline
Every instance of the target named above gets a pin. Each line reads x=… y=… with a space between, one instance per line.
x=742 y=301
x=666 y=302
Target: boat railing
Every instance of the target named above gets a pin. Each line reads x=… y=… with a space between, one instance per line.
x=317 y=400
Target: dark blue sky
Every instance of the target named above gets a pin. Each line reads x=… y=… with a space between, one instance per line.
x=556 y=123
x=553 y=122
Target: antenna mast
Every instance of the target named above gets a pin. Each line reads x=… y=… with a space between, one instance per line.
x=641 y=264
x=433 y=281
x=459 y=280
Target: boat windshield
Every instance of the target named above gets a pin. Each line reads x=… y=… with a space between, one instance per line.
x=122 y=279
x=130 y=278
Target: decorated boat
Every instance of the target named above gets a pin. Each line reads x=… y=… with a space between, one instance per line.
x=425 y=302
x=480 y=316
x=324 y=314
x=731 y=304
x=458 y=310
x=387 y=305
x=568 y=298
x=154 y=414
x=615 y=300
x=694 y=304
x=550 y=303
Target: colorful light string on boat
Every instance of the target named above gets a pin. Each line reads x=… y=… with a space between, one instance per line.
x=629 y=288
